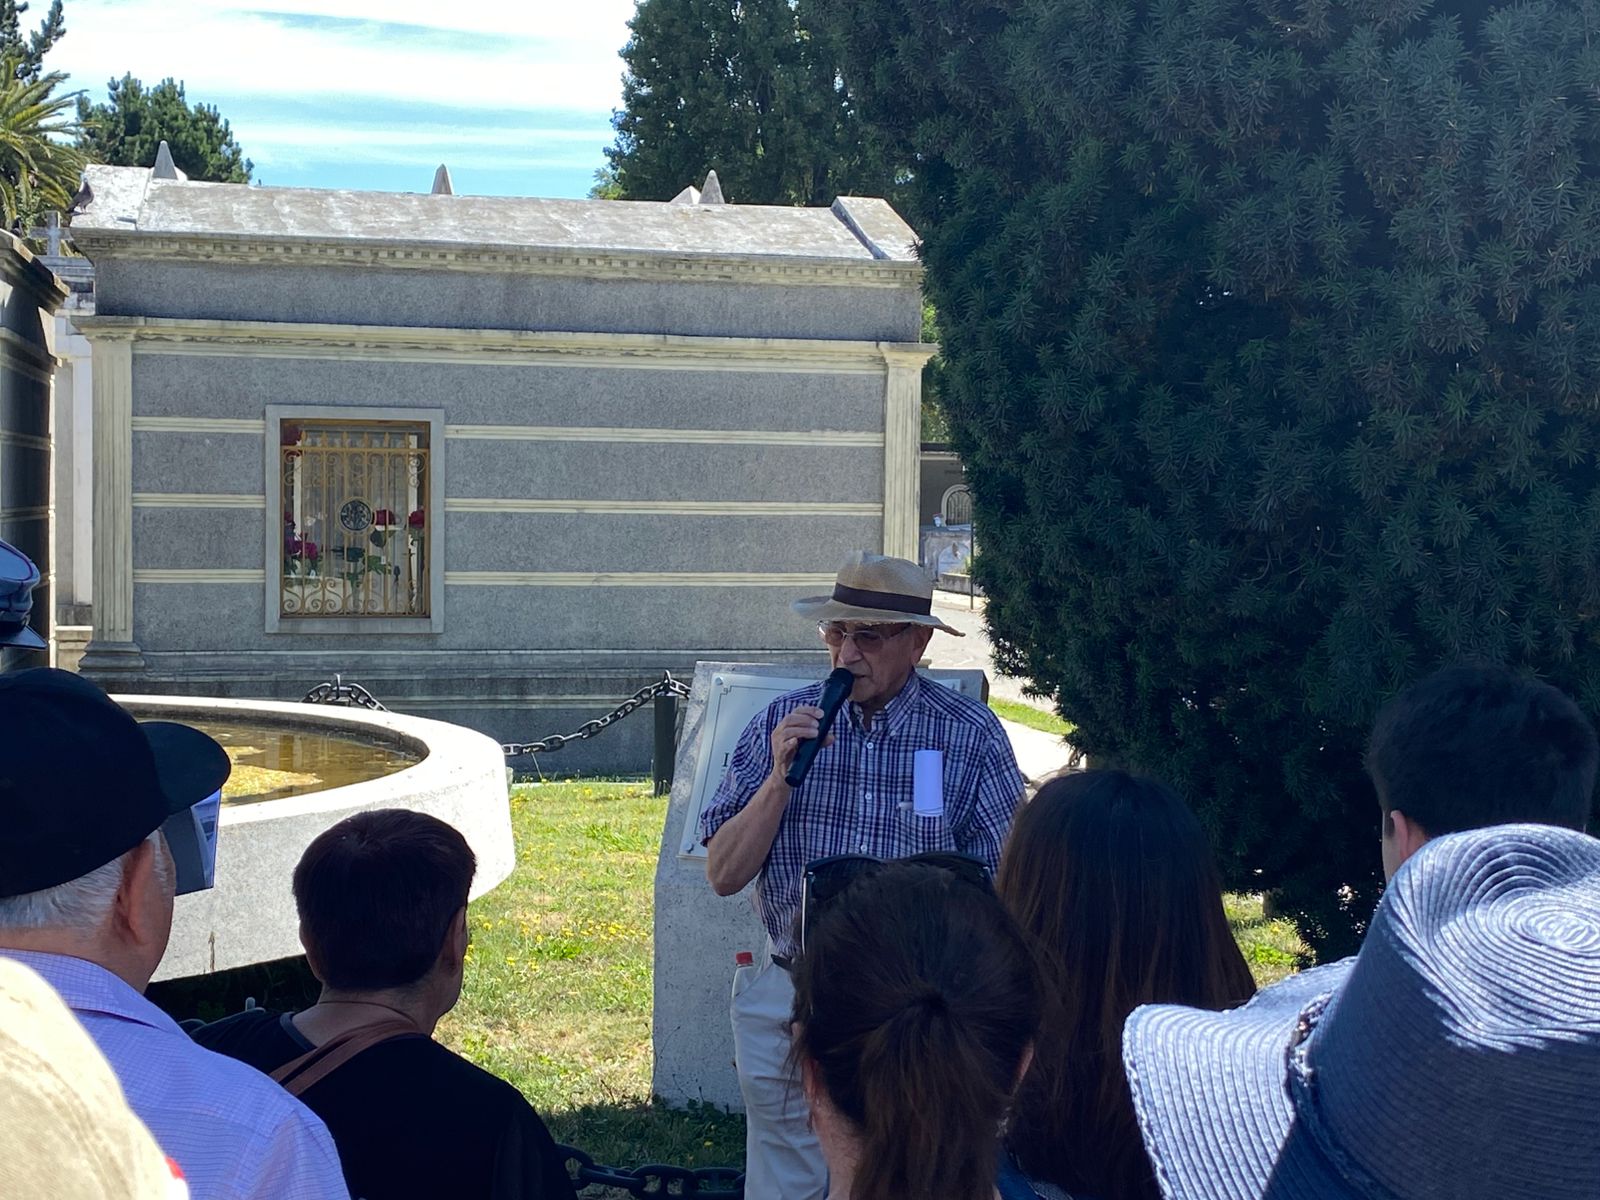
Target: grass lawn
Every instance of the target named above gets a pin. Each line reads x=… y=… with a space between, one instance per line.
x=558 y=990
x=1033 y=718
x=1271 y=945
x=558 y=997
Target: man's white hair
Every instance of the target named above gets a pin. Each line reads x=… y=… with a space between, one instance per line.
x=81 y=905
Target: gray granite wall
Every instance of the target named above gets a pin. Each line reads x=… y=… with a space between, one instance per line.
x=351 y=295
x=203 y=385
x=516 y=661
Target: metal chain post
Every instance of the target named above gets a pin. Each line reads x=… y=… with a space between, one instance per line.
x=342 y=693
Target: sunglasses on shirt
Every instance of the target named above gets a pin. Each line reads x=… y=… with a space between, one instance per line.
x=826 y=878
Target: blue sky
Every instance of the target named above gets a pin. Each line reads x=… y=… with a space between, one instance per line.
x=515 y=97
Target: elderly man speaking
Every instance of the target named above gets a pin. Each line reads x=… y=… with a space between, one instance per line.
x=909 y=767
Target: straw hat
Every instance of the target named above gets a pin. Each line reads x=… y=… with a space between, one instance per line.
x=1459 y=1056
x=873 y=587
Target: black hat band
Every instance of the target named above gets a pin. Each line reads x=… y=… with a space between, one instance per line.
x=893 y=601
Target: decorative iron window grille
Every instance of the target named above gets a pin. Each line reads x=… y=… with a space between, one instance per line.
x=355 y=519
x=957 y=506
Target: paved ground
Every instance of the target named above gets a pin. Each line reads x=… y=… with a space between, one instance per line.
x=974 y=650
x=1038 y=754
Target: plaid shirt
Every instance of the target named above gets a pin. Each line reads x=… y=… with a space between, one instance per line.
x=857 y=798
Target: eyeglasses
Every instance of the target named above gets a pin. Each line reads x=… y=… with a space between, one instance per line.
x=826 y=878
x=867 y=640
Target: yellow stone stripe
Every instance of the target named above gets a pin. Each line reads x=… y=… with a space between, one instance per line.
x=197 y=500
x=702 y=579
x=685 y=508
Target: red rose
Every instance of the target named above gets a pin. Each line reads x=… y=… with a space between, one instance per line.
x=415 y=520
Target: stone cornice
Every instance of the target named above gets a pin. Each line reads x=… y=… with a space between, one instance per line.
x=770 y=269
x=20 y=267
x=164 y=335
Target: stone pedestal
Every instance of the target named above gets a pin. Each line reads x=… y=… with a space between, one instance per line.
x=71 y=643
x=698 y=932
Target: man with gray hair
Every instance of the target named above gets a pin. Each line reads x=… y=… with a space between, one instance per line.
x=87 y=881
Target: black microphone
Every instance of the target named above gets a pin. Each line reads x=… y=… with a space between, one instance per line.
x=834 y=693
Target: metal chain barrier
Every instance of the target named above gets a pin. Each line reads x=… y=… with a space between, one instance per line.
x=666 y=686
x=350 y=695
x=354 y=695
x=712 y=1183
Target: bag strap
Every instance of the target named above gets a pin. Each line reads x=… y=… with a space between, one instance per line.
x=299 y=1075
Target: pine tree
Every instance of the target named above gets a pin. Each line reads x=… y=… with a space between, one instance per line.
x=1272 y=344
x=128 y=129
x=744 y=88
x=25 y=53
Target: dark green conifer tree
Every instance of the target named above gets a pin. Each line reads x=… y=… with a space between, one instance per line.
x=1272 y=344
x=128 y=129
x=744 y=88
x=25 y=52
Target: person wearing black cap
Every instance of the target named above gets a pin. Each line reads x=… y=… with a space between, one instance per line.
x=100 y=833
x=18 y=578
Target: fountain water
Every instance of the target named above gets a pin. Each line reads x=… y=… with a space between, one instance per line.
x=298 y=769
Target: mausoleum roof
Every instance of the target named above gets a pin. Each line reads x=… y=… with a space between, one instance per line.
x=131 y=205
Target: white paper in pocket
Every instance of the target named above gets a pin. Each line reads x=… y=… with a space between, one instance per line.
x=927 y=783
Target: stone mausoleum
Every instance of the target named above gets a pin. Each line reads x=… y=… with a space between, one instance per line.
x=502 y=461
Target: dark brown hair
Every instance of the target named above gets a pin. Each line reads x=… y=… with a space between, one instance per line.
x=376 y=894
x=915 y=1001
x=1112 y=877
x=1477 y=744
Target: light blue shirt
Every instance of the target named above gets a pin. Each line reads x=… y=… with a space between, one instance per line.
x=233 y=1132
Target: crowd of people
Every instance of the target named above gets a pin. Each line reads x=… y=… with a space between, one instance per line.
x=350 y=1098
x=982 y=997
x=966 y=995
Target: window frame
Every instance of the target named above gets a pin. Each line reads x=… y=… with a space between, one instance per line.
x=944 y=504
x=276 y=622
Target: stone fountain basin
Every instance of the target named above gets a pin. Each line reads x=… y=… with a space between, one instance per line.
x=249 y=916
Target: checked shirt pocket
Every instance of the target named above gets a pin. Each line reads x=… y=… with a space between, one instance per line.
x=919 y=835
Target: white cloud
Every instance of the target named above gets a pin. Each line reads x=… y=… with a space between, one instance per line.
x=312 y=137
x=538 y=54
x=303 y=146
x=335 y=90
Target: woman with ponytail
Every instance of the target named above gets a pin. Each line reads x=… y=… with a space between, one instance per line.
x=1111 y=876
x=916 y=1003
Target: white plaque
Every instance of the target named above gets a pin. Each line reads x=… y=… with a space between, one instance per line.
x=735 y=701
